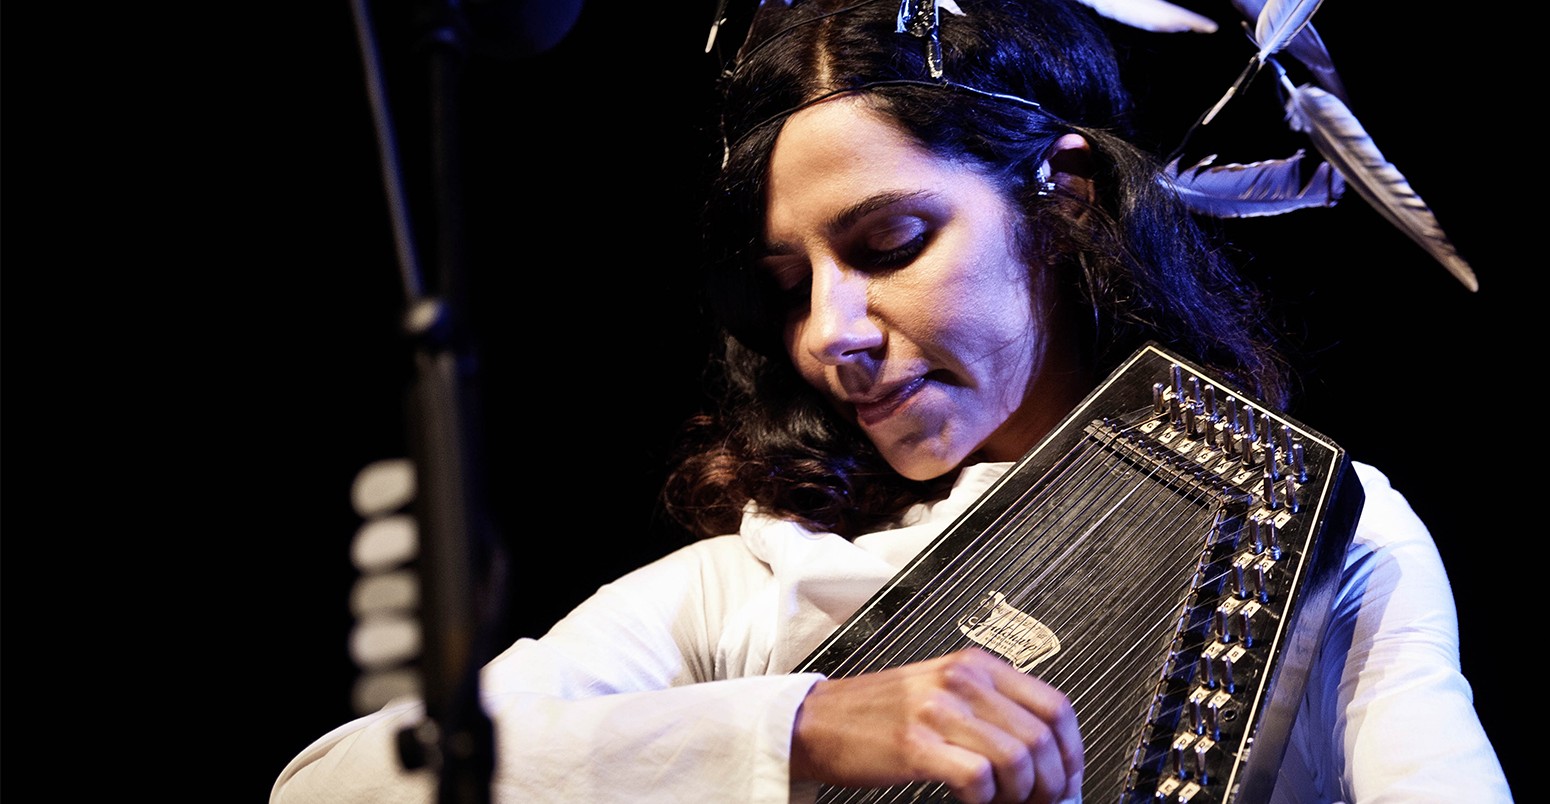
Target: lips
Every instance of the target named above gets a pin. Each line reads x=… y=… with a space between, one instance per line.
x=873 y=411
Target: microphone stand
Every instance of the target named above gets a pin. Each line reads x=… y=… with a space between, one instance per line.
x=460 y=563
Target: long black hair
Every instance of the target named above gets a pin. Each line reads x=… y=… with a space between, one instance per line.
x=1016 y=75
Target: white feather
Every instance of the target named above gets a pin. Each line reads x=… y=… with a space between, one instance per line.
x=1339 y=136
x=1255 y=189
x=1152 y=15
x=1276 y=23
x=1279 y=21
x=1307 y=47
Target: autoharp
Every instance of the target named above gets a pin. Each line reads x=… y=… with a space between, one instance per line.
x=1167 y=557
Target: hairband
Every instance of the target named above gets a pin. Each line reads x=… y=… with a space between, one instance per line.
x=1238 y=190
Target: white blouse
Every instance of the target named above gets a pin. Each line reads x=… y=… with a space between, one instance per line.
x=674 y=684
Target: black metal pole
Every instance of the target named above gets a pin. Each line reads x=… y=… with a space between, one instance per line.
x=459 y=559
x=462 y=564
x=457 y=548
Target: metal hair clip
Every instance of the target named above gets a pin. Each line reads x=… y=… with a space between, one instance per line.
x=914 y=20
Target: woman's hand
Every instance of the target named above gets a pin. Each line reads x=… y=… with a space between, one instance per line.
x=968 y=720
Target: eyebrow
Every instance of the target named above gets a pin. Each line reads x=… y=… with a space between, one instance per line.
x=847 y=217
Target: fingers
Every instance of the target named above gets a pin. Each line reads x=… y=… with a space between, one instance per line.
x=968 y=720
x=1052 y=734
x=1025 y=729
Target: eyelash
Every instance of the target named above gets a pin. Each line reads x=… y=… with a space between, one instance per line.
x=896 y=257
x=797 y=296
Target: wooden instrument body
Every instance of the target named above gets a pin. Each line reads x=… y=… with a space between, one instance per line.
x=1167 y=557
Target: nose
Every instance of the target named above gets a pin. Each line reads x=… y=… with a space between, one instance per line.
x=839 y=328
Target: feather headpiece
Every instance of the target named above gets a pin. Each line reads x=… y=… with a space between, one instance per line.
x=1321 y=112
x=1266 y=187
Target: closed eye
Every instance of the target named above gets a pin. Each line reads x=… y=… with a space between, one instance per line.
x=793 y=279
x=894 y=243
x=799 y=296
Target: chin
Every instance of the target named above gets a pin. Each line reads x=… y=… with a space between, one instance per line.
x=917 y=464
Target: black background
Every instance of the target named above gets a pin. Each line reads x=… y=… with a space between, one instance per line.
x=204 y=349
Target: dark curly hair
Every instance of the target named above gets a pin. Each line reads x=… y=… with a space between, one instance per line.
x=1018 y=75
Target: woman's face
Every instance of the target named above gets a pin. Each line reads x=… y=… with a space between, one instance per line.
x=909 y=305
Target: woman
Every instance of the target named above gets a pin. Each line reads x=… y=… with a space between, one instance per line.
x=922 y=263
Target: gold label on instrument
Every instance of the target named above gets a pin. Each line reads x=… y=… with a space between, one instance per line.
x=1015 y=636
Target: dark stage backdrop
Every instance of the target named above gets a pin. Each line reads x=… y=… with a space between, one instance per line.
x=210 y=297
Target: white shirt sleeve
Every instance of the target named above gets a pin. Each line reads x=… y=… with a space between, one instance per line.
x=673 y=683
x=622 y=699
x=1388 y=716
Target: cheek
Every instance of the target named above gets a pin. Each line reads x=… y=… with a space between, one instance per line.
x=991 y=320
x=806 y=365
x=996 y=342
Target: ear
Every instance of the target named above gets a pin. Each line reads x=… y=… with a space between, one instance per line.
x=1069 y=165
